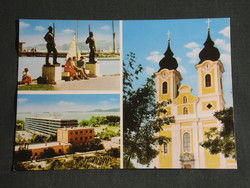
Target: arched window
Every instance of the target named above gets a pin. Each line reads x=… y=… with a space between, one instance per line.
x=184 y=99
x=164 y=87
x=185 y=110
x=186 y=142
x=165 y=148
x=208 y=80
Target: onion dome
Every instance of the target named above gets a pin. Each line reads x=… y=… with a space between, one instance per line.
x=168 y=61
x=209 y=52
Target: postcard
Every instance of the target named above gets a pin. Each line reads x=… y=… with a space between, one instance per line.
x=133 y=94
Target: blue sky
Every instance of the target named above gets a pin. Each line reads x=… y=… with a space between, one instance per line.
x=33 y=31
x=148 y=39
x=66 y=102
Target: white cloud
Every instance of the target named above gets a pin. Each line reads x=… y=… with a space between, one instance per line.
x=22 y=100
x=105 y=27
x=178 y=60
x=65 y=103
x=193 y=55
x=104 y=103
x=155 y=57
x=150 y=70
x=182 y=69
x=68 y=31
x=39 y=28
x=223 y=45
x=23 y=24
x=225 y=59
x=192 y=45
x=112 y=99
x=225 y=31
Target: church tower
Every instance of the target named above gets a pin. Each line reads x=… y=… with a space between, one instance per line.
x=168 y=79
x=210 y=70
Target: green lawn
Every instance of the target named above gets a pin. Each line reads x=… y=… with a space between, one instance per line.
x=36 y=87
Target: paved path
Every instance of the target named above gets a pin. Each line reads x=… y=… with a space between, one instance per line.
x=104 y=83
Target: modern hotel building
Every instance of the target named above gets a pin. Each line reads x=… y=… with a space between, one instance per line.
x=48 y=126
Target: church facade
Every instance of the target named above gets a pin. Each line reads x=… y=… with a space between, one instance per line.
x=193 y=114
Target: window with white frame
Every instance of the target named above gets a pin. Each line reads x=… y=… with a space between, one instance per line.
x=186 y=142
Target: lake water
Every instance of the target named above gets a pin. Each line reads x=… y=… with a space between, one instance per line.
x=107 y=67
x=65 y=115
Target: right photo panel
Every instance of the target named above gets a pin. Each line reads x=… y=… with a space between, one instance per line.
x=177 y=94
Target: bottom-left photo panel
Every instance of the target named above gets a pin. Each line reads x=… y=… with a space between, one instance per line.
x=67 y=131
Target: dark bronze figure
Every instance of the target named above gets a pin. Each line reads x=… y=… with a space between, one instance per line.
x=51 y=47
x=91 y=41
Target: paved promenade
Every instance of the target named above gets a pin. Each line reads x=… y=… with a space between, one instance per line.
x=104 y=83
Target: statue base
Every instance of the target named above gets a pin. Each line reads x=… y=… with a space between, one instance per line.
x=52 y=74
x=94 y=69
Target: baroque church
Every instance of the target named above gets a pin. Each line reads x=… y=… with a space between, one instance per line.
x=193 y=114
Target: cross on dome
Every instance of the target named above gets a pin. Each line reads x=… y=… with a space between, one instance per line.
x=208 y=23
x=168 y=33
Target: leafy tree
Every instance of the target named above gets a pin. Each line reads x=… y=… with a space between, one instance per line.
x=38 y=138
x=222 y=141
x=84 y=123
x=22 y=155
x=106 y=134
x=48 y=153
x=51 y=138
x=143 y=117
x=19 y=124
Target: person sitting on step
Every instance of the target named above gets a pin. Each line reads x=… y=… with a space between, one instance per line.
x=70 y=67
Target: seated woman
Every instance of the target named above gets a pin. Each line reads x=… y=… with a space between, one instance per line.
x=70 y=67
x=26 y=79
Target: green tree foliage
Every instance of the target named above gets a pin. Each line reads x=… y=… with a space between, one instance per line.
x=90 y=146
x=114 y=152
x=51 y=138
x=84 y=123
x=38 y=138
x=22 y=155
x=222 y=141
x=142 y=116
x=48 y=153
x=107 y=134
x=97 y=121
x=128 y=164
x=19 y=124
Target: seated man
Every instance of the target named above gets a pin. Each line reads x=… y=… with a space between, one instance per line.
x=82 y=66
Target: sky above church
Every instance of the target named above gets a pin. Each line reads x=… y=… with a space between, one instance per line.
x=66 y=102
x=32 y=31
x=148 y=39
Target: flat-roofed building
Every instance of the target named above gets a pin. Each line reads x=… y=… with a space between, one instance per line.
x=76 y=135
x=48 y=126
x=37 y=149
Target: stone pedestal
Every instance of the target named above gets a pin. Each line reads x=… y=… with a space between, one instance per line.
x=52 y=74
x=94 y=69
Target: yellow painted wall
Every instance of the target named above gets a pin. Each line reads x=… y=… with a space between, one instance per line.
x=166 y=96
x=190 y=108
x=213 y=103
x=210 y=122
x=166 y=159
x=211 y=161
x=208 y=90
x=186 y=124
x=190 y=98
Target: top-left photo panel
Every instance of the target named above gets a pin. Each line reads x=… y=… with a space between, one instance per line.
x=69 y=55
